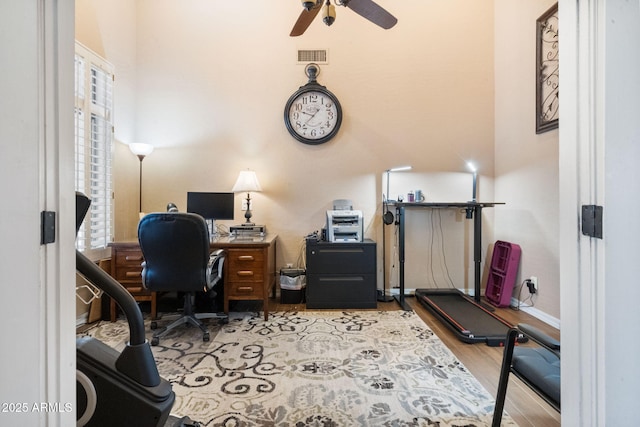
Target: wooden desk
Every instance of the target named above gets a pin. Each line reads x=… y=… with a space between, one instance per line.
x=126 y=268
x=249 y=271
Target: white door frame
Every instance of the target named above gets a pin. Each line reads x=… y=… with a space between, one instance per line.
x=599 y=152
x=37 y=365
x=580 y=261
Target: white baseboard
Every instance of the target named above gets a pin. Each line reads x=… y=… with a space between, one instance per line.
x=549 y=320
x=407 y=291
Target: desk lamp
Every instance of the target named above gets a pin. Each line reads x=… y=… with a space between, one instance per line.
x=247 y=181
x=474 y=171
x=141 y=150
x=387 y=218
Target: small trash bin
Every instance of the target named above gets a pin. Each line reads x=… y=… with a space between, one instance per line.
x=292 y=285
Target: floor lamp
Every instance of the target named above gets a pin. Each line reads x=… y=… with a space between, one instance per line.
x=141 y=150
x=387 y=219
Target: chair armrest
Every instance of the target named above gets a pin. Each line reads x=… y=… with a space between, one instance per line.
x=143 y=274
x=214 y=267
x=540 y=337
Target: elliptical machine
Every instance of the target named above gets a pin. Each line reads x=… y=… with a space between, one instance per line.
x=119 y=389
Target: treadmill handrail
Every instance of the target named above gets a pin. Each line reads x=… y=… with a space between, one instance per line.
x=136 y=359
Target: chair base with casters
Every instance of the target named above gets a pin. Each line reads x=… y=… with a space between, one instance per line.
x=188 y=317
x=538 y=367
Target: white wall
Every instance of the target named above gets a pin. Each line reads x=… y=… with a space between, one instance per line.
x=527 y=165
x=213 y=94
x=210 y=93
x=211 y=83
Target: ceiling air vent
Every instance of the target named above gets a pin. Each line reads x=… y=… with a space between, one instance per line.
x=319 y=56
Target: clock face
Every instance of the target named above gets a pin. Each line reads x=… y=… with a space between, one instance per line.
x=313 y=116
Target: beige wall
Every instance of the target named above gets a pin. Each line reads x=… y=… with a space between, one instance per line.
x=526 y=164
x=206 y=83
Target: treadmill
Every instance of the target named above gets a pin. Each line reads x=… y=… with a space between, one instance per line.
x=471 y=321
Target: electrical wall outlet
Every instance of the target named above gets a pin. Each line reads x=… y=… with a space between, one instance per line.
x=244 y=204
x=534 y=282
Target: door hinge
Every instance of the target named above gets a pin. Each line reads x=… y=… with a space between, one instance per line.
x=48 y=227
x=592 y=221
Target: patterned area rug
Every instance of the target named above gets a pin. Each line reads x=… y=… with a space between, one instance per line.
x=297 y=369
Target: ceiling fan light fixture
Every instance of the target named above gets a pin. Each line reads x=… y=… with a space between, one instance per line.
x=308 y=5
x=329 y=13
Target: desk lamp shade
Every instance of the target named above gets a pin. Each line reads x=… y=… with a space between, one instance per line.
x=247 y=182
x=474 y=171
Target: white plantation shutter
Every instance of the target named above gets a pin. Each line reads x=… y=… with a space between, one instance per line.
x=94 y=148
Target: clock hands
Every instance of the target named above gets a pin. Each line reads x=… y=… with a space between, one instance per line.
x=312 y=115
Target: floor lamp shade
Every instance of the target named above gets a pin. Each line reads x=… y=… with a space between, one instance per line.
x=141 y=149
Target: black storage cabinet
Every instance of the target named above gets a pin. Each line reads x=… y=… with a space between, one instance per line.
x=341 y=275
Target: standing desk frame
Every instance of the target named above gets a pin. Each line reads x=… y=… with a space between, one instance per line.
x=473 y=209
x=467 y=318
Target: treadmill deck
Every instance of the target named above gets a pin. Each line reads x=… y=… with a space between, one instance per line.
x=471 y=322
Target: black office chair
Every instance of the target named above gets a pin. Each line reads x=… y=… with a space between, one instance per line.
x=175 y=247
x=538 y=367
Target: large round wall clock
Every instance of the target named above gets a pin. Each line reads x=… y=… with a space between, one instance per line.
x=313 y=114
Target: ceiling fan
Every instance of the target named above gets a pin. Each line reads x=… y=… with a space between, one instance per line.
x=365 y=8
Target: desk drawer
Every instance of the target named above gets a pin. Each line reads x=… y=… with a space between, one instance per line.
x=127 y=266
x=341 y=291
x=130 y=258
x=128 y=274
x=341 y=258
x=245 y=265
x=244 y=290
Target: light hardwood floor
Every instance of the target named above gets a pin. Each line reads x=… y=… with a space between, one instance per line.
x=522 y=404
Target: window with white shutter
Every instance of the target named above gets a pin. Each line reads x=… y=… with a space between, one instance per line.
x=94 y=149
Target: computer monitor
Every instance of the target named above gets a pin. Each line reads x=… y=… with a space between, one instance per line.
x=215 y=206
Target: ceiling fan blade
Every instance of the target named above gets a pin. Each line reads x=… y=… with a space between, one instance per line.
x=373 y=12
x=305 y=19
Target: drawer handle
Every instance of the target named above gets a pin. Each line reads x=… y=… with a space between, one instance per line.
x=246 y=258
x=245 y=289
x=341 y=279
x=245 y=273
x=342 y=251
x=132 y=274
x=133 y=257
